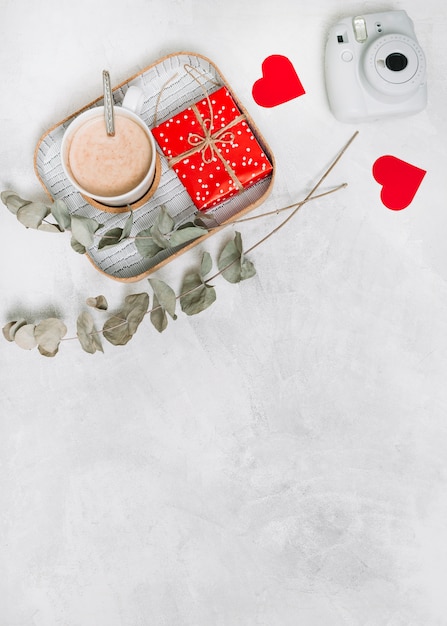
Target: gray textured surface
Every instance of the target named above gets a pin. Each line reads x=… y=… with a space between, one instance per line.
x=278 y=460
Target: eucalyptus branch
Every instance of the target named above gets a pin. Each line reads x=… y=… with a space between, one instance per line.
x=200 y=284
x=213 y=229
x=196 y=293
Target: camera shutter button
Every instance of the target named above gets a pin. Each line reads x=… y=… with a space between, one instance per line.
x=347 y=56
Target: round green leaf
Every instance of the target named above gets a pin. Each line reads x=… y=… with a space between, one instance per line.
x=83 y=229
x=99 y=302
x=120 y=328
x=248 y=270
x=10 y=329
x=158 y=316
x=231 y=262
x=77 y=247
x=49 y=228
x=196 y=296
x=12 y=201
x=32 y=214
x=87 y=335
x=61 y=214
x=135 y=308
x=25 y=337
x=183 y=235
x=127 y=226
x=116 y=331
x=145 y=244
x=48 y=334
x=110 y=238
x=165 y=295
x=164 y=222
x=159 y=237
x=206 y=265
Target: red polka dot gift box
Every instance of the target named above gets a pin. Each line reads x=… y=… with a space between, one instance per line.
x=212 y=149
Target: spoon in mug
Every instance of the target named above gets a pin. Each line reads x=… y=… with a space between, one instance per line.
x=108 y=104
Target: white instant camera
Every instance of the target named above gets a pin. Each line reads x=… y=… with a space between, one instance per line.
x=375 y=68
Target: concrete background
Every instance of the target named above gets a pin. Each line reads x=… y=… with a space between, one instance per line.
x=278 y=460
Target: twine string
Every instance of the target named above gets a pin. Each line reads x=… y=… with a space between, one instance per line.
x=157 y=104
x=206 y=143
x=189 y=69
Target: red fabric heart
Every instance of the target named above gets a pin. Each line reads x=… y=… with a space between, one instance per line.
x=279 y=82
x=400 y=181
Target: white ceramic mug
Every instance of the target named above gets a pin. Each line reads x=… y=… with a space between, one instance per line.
x=127 y=168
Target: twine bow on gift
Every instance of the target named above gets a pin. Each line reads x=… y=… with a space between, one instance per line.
x=207 y=142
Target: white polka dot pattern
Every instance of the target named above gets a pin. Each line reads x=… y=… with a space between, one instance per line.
x=215 y=169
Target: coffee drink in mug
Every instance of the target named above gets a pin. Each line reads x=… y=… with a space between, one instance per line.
x=114 y=170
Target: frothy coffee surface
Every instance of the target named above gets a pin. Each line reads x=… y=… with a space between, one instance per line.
x=109 y=166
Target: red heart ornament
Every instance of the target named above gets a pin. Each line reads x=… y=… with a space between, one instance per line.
x=279 y=82
x=400 y=181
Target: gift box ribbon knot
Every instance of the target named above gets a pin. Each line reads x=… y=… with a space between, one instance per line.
x=207 y=143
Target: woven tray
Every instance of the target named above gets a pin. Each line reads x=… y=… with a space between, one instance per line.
x=168 y=89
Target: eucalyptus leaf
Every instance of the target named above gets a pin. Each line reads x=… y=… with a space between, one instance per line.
x=201 y=221
x=6 y=194
x=83 y=229
x=115 y=235
x=49 y=228
x=99 y=303
x=110 y=238
x=158 y=316
x=13 y=201
x=77 y=247
x=206 y=265
x=163 y=221
x=248 y=270
x=32 y=214
x=50 y=353
x=127 y=226
x=232 y=264
x=196 y=296
x=183 y=235
x=87 y=334
x=25 y=337
x=165 y=295
x=135 y=308
x=145 y=244
x=10 y=329
x=229 y=262
x=159 y=238
x=61 y=214
x=120 y=328
x=48 y=334
x=116 y=330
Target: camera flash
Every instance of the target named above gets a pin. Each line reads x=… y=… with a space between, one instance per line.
x=359 y=26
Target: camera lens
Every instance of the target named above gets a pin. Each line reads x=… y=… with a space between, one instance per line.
x=394 y=65
x=396 y=62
